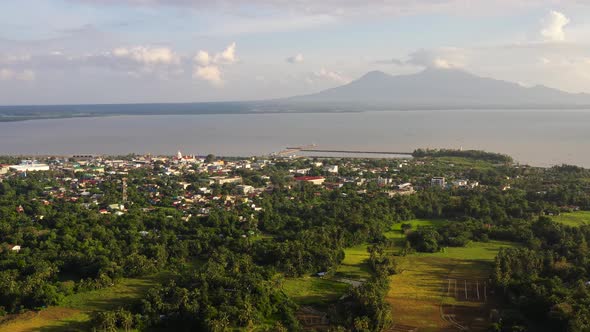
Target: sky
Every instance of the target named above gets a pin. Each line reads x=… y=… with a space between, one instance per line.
x=146 y=51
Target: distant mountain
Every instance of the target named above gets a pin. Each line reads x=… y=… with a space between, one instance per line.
x=440 y=88
x=430 y=89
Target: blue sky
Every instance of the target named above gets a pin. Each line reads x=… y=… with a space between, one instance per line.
x=119 y=51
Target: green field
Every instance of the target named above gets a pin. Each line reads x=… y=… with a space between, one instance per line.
x=355 y=264
x=314 y=291
x=397 y=233
x=74 y=312
x=462 y=162
x=319 y=292
x=417 y=293
x=574 y=219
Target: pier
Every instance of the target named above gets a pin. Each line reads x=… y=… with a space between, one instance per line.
x=295 y=149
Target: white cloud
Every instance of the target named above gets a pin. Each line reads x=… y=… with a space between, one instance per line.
x=228 y=56
x=148 y=55
x=210 y=73
x=443 y=57
x=448 y=57
x=202 y=58
x=7 y=74
x=297 y=58
x=553 y=26
x=328 y=75
x=208 y=68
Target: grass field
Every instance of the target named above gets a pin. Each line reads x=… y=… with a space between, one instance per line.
x=320 y=292
x=355 y=264
x=461 y=162
x=397 y=233
x=416 y=294
x=314 y=291
x=74 y=313
x=574 y=219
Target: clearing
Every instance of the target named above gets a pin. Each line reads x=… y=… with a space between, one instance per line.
x=445 y=290
x=74 y=312
x=314 y=291
x=574 y=219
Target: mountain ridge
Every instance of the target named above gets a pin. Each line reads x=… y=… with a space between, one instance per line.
x=441 y=87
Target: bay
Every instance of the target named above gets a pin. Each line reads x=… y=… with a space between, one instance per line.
x=536 y=137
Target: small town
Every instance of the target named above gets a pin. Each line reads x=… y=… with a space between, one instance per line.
x=194 y=185
x=427 y=241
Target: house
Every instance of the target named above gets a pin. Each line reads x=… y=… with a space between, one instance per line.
x=221 y=180
x=244 y=189
x=15 y=248
x=317 y=180
x=438 y=182
x=4 y=168
x=382 y=182
x=460 y=183
x=113 y=207
x=302 y=171
x=465 y=184
x=402 y=186
x=331 y=168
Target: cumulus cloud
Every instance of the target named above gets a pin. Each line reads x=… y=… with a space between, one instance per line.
x=202 y=58
x=297 y=58
x=211 y=74
x=7 y=74
x=136 y=61
x=553 y=26
x=227 y=56
x=208 y=67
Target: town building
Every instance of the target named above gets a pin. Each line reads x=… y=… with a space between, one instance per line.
x=382 y=182
x=317 y=180
x=4 y=168
x=29 y=166
x=245 y=189
x=221 y=180
x=331 y=169
x=438 y=181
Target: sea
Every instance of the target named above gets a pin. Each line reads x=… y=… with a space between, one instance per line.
x=534 y=137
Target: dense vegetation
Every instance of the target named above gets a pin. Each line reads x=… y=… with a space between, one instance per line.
x=473 y=154
x=228 y=266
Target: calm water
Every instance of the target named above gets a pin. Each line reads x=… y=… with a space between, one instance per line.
x=535 y=137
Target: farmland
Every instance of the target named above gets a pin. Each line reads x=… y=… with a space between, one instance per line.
x=425 y=292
